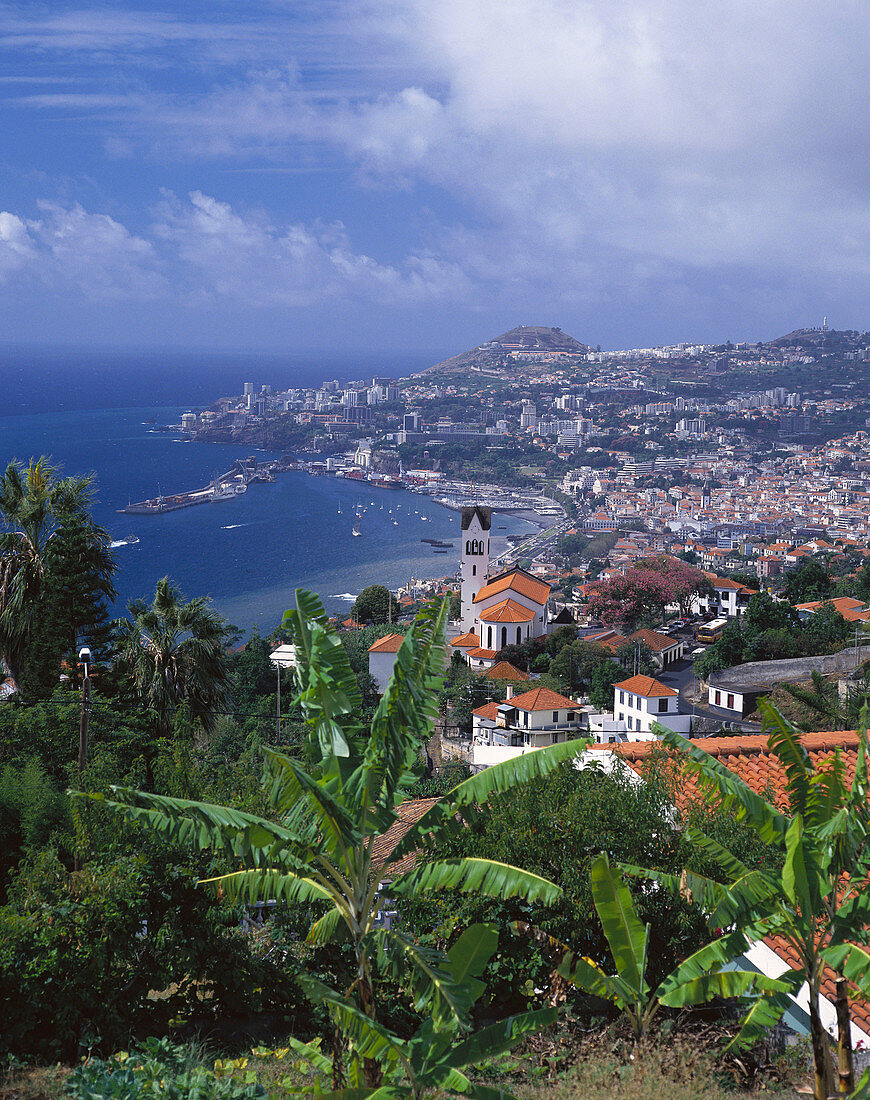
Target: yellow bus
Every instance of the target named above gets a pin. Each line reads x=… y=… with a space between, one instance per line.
x=712 y=631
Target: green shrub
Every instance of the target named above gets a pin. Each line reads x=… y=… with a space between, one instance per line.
x=158 y=1070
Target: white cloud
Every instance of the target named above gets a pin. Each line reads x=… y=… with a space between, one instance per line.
x=202 y=251
x=247 y=259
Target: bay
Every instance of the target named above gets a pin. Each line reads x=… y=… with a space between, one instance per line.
x=248 y=554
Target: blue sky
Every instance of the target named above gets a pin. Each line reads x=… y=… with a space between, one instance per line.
x=428 y=173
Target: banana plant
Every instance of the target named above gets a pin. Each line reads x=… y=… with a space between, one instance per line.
x=818 y=902
x=319 y=844
x=628 y=938
x=436 y=1059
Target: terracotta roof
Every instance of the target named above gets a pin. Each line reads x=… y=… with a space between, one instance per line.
x=390 y=643
x=646 y=686
x=657 y=642
x=852 y=610
x=508 y=611
x=504 y=670
x=859 y=1010
x=488 y=710
x=482 y=654
x=469 y=639
x=520 y=582
x=749 y=756
x=726 y=582
x=607 y=639
x=542 y=699
x=410 y=811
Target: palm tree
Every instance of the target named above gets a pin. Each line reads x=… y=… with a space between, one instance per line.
x=818 y=901
x=55 y=568
x=330 y=836
x=175 y=652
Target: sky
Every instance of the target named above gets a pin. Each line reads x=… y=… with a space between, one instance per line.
x=405 y=174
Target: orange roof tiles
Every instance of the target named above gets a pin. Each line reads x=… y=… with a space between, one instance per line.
x=542 y=699
x=520 y=582
x=488 y=710
x=410 y=811
x=852 y=610
x=482 y=654
x=390 y=643
x=646 y=686
x=658 y=643
x=504 y=670
x=508 y=611
x=749 y=757
x=469 y=639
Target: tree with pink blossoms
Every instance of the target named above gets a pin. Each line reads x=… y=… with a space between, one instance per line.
x=640 y=595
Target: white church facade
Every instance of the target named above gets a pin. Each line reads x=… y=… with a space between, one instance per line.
x=505 y=609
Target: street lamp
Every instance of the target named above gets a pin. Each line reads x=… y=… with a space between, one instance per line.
x=282 y=657
x=84 y=659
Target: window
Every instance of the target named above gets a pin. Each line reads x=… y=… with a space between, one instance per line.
x=555 y=717
x=571 y=716
x=663 y=706
x=718 y=698
x=731 y=702
x=474 y=570
x=621 y=697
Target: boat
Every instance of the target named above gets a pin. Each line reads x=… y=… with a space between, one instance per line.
x=356 y=531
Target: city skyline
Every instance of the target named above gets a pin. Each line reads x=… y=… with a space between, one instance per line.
x=396 y=175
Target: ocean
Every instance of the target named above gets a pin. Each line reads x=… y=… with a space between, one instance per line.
x=97 y=414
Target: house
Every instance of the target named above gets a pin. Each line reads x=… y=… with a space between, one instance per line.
x=665 y=649
x=728 y=601
x=853 y=611
x=504 y=670
x=523 y=723
x=640 y=701
x=382 y=657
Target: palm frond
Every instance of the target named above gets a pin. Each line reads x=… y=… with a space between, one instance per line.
x=480 y=876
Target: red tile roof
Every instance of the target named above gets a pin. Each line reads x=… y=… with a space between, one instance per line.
x=410 y=811
x=469 y=639
x=646 y=686
x=390 y=643
x=520 y=582
x=504 y=670
x=482 y=654
x=542 y=699
x=488 y=710
x=508 y=611
x=749 y=757
x=658 y=643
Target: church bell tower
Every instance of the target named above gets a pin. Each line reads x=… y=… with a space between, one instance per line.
x=474 y=560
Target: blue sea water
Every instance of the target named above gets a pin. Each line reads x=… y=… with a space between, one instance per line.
x=247 y=554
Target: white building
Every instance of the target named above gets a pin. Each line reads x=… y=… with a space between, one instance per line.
x=640 y=701
x=382 y=657
x=510 y=609
x=531 y=720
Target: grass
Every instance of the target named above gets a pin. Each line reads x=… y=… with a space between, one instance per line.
x=682 y=1067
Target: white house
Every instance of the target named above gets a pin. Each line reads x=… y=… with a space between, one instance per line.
x=531 y=720
x=640 y=701
x=382 y=657
x=729 y=600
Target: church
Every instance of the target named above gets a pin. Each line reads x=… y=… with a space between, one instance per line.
x=506 y=608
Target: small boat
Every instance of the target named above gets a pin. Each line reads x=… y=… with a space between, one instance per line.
x=395 y=523
x=356 y=531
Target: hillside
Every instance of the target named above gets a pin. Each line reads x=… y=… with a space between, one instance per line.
x=526 y=342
